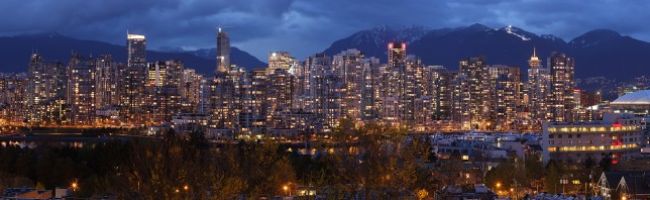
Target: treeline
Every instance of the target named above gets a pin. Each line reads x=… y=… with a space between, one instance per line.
x=372 y=162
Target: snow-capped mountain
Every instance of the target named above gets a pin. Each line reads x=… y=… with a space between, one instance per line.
x=372 y=42
x=597 y=53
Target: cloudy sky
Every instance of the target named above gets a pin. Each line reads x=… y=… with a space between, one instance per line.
x=304 y=27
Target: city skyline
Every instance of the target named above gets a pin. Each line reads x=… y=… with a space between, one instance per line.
x=291 y=95
x=282 y=25
x=473 y=112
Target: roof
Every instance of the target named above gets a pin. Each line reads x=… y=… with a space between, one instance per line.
x=641 y=97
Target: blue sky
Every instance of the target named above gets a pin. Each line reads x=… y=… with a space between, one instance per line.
x=308 y=26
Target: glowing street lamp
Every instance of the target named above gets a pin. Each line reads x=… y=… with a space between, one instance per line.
x=286 y=189
x=74 y=185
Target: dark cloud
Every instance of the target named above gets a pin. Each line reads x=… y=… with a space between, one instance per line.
x=306 y=27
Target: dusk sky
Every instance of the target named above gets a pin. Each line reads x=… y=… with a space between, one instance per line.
x=306 y=27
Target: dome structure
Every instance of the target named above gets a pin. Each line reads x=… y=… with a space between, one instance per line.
x=641 y=97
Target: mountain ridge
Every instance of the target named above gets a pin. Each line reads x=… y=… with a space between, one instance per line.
x=15 y=52
x=600 y=50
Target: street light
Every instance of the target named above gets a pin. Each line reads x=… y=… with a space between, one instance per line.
x=286 y=189
x=74 y=186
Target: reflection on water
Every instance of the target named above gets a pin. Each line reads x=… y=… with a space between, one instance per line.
x=34 y=144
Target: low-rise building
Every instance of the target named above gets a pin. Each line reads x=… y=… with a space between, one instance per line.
x=618 y=136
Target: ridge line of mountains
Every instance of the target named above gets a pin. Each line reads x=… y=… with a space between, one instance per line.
x=599 y=52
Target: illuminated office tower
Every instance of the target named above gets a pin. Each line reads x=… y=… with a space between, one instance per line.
x=190 y=90
x=107 y=76
x=348 y=65
x=80 y=94
x=505 y=96
x=162 y=91
x=538 y=87
x=253 y=112
x=46 y=88
x=133 y=79
x=281 y=60
x=370 y=84
x=472 y=94
x=223 y=50
x=562 y=102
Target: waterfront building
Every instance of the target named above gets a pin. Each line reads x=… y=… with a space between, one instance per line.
x=617 y=136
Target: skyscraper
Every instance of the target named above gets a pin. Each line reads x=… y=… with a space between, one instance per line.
x=223 y=51
x=133 y=79
x=538 y=90
x=472 y=94
x=46 y=90
x=162 y=90
x=393 y=84
x=80 y=94
x=505 y=95
x=224 y=99
x=281 y=60
x=562 y=100
x=106 y=81
x=348 y=65
x=136 y=46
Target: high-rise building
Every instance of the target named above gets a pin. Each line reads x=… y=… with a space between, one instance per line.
x=190 y=90
x=223 y=51
x=81 y=88
x=133 y=79
x=437 y=85
x=163 y=98
x=370 y=89
x=538 y=88
x=281 y=60
x=12 y=97
x=471 y=95
x=107 y=76
x=279 y=98
x=253 y=113
x=398 y=86
x=324 y=92
x=505 y=96
x=137 y=50
x=225 y=94
x=46 y=89
x=562 y=102
x=348 y=65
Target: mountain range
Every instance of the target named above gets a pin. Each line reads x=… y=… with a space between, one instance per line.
x=598 y=52
x=15 y=52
